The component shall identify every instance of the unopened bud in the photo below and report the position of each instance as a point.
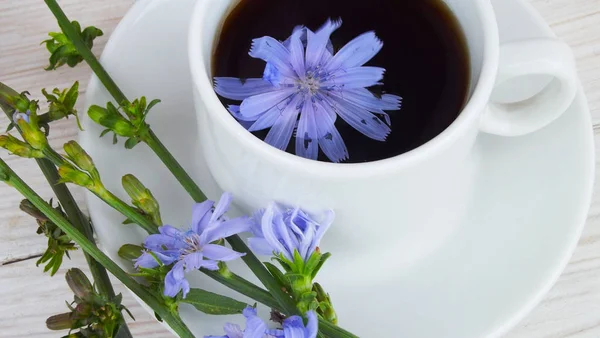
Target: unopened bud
(141, 197)
(62, 321)
(112, 120)
(30, 209)
(69, 174)
(79, 156)
(326, 309)
(130, 252)
(33, 135)
(18, 147)
(79, 283)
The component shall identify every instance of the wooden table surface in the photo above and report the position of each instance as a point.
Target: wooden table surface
(28, 297)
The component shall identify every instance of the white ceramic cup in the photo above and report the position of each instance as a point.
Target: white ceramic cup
(405, 206)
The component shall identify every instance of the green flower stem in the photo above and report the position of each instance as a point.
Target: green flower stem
(108, 197)
(287, 303)
(74, 214)
(244, 287)
(180, 174)
(126, 210)
(85, 52)
(11, 178)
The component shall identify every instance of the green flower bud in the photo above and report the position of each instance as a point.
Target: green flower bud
(30, 209)
(141, 197)
(70, 174)
(111, 119)
(79, 284)
(18, 147)
(79, 156)
(62, 321)
(33, 135)
(130, 252)
(325, 308)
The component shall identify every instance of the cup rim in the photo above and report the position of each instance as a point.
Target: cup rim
(470, 113)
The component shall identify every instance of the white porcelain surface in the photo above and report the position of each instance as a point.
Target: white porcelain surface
(418, 199)
(526, 203)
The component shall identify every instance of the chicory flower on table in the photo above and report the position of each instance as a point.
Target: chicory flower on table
(193, 249)
(305, 86)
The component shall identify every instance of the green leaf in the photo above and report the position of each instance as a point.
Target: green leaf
(152, 104)
(324, 258)
(212, 303)
(104, 132)
(131, 143)
(279, 277)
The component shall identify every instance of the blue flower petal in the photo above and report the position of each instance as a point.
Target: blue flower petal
(233, 331)
(260, 246)
(281, 132)
(282, 232)
(358, 77)
(356, 52)
(255, 327)
(159, 242)
(317, 43)
(259, 104)
(365, 99)
(312, 327)
(221, 207)
(268, 230)
(360, 119)
(240, 89)
(266, 120)
(297, 54)
(193, 261)
(225, 229)
(201, 216)
(210, 265)
(330, 140)
(146, 260)
(293, 327)
(220, 253)
(175, 281)
(245, 121)
(274, 52)
(170, 231)
(307, 142)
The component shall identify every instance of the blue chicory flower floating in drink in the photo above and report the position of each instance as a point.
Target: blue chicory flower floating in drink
(293, 327)
(305, 86)
(193, 249)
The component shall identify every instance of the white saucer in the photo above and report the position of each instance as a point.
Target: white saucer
(528, 209)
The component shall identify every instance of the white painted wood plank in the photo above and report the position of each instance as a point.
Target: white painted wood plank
(29, 297)
(23, 25)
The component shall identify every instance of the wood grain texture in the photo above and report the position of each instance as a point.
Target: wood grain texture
(571, 309)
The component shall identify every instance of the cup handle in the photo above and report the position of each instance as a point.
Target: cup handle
(532, 57)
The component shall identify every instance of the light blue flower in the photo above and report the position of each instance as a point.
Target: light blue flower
(293, 327)
(282, 231)
(18, 116)
(192, 249)
(305, 87)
